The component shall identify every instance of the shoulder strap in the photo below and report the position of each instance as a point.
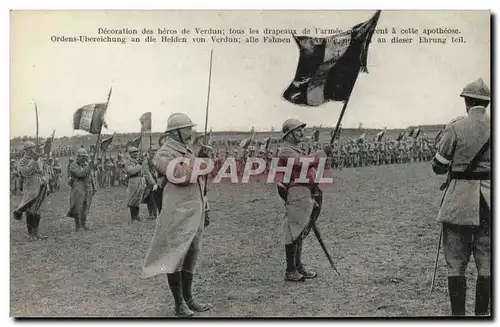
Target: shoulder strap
(475, 161)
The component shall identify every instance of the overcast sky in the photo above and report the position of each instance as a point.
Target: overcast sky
(407, 84)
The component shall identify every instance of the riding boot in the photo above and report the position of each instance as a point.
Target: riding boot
(292, 275)
(152, 210)
(83, 222)
(175, 284)
(483, 289)
(457, 288)
(36, 224)
(29, 224)
(77, 224)
(133, 218)
(298, 263)
(136, 214)
(187, 284)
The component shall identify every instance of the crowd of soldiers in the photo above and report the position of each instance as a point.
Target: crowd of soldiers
(111, 170)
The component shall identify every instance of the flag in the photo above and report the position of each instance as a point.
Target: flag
(134, 143)
(380, 135)
(316, 135)
(413, 132)
(361, 138)
(329, 66)
(438, 136)
(145, 122)
(400, 136)
(106, 142)
(265, 144)
(90, 118)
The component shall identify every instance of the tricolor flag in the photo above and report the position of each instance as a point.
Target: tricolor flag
(362, 138)
(328, 67)
(380, 135)
(90, 118)
(145, 122)
(106, 143)
(400, 136)
(413, 132)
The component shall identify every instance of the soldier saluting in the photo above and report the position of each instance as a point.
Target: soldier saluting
(464, 153)
(302, 200)
(35, 190)
(178, 236)
(82, 189)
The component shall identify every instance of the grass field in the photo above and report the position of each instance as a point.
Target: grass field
(378, 222)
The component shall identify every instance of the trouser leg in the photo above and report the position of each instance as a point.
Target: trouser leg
(175, 284)
(482, 257)
(457, 248)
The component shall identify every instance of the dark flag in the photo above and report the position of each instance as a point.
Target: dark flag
(400, 136)
(328, 67)
(134, 143)
(438, 136)
(106, 142)
(90, 118)
(316, 135)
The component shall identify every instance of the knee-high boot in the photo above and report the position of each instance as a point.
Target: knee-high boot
(36, 224)
(457, 286)
(300, 266)
(29, 224)
(483, 291)
(175, 284)
(291, 273)
(187, 285)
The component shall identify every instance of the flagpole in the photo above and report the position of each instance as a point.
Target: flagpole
(37, 138)
(344, 107)
(100, 129)
(208, 96)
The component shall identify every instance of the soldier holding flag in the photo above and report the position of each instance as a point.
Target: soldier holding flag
(82, 190)
(302, 200)
(464, 153)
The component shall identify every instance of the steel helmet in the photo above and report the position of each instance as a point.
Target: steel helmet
(133, 149)
(82, 153)
(291, 125)
(29, 145)
(476, 90)
(178, 121)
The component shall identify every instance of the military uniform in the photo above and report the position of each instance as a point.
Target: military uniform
(149, 173)
(136, 183)
(178, 236)
(82, 190)
(465, 210)
(302, 201)
(35, 191)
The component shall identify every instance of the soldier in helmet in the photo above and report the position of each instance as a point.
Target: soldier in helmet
(82, 189)
(302, 200)
(151, 186)
(463, 152)
(179, 230)
(136, 182)
(35, 190)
